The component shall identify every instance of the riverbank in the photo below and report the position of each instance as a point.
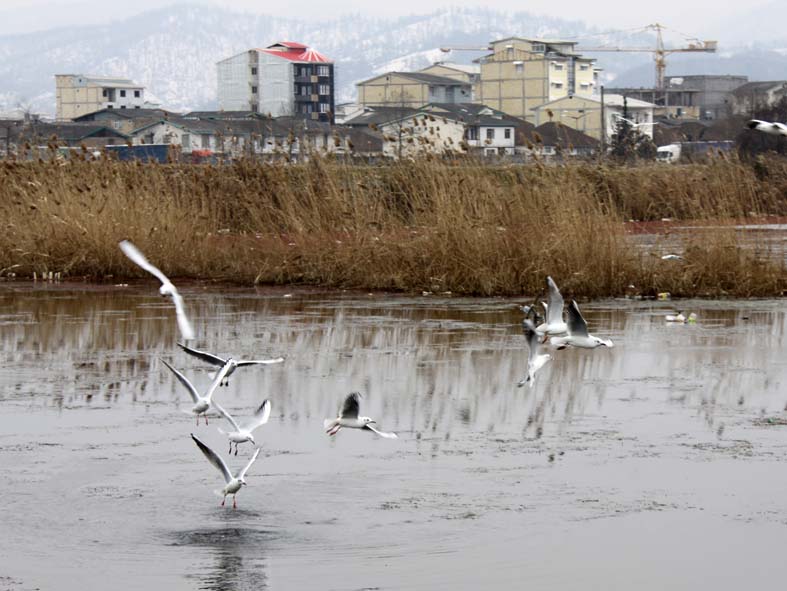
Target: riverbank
(428, 226)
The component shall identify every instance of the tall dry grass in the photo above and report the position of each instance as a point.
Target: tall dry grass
(441, 226)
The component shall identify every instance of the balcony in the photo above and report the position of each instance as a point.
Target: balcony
(303, 79)
(303, 98)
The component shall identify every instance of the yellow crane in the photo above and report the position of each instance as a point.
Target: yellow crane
(660, 52)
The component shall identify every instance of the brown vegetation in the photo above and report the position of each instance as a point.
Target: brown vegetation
(458, 226)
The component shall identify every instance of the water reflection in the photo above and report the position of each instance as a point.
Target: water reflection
(427, 366)
(235, 553)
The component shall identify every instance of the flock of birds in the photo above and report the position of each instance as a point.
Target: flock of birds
(539, 330)
(561, 334)
(349, 416)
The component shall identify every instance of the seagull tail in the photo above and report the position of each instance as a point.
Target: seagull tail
(329, 424)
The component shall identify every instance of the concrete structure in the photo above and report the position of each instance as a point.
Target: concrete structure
(470, 73)
(713, 92)
(584, 114)
(412, 90)
(555, 139)
(77, 95)
(284, 79)
(748, 98)
(671, 103)
(521, 74)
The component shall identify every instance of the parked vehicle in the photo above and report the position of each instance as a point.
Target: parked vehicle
(688, 151)
(142, 152)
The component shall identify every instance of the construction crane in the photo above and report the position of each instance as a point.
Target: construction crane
(659, 52)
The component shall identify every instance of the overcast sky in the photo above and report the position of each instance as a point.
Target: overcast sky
(695, 17)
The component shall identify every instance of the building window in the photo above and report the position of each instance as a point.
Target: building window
(557, 84)
(104, 92)
(584, 67)
(325, 89)
(324, 107)
(472, 133)
(136, 106)
(108, 106)
(519, 67)
(253, 71)
(323, 71)
(508, 133)
(539, 47)
(253, 90)
(122, 106)
(137, 93)
(490, 133)
(122, 94)
(558, 67)
(305, 91)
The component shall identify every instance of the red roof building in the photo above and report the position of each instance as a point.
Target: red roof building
(255, 81)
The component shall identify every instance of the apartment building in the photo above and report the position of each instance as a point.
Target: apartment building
(521, 74)
(78, 94)
(283, 79)
(470, 73)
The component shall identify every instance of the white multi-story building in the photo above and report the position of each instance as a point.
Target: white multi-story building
(284, 79)
(78, 94)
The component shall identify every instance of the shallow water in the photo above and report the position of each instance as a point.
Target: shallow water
(651, 465)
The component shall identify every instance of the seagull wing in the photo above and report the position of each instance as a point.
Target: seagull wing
(259, 361)
(386, 434)
(208, 357)
(242, 473)
(214, 459)
(555, 310)
(137, 257)
(184, 380)
(261, 416)
(577, 326)
(350, 406)
(220, 375)
(533, 338)
(186, 330)
(225, 414)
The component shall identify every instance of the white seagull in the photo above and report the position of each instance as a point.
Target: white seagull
(166, 289)
(243, 434)
(233, 483)
(535, 359)
(216, 360)
(554, 323)
(201, 403)
(578, 335)
(349, 418)
(767, 127)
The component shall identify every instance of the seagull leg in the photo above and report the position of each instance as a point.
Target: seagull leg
(236, 449)
(230, 451)
(234, 503)
(197, 417)
(206, 418)
(222, 501)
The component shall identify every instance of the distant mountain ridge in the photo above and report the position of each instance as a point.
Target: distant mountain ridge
(173, 50)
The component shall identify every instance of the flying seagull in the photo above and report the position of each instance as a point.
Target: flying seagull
(349, 418)
(233, 483)
(767, 127)
(554, 312)
(535, 360)
(201, 403)
(578, 335)
(216, 360)
(243, 434)
(166, 289)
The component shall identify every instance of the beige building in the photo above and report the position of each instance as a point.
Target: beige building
(470, 73)
(521, 74)
(585, 114)
(77, 95)
(412, 90)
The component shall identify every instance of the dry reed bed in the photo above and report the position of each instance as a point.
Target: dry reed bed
(461, 226)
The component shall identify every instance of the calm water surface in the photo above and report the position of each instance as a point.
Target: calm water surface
(652, 465)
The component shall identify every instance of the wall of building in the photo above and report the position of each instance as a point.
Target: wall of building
(393, 90)
(422, 135)
(234, 82)
(277, 85)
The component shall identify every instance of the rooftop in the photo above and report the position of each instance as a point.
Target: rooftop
(421, 77)
(554, 133)
(296, 52)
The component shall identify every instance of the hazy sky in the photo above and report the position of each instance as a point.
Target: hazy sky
(695, 17)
